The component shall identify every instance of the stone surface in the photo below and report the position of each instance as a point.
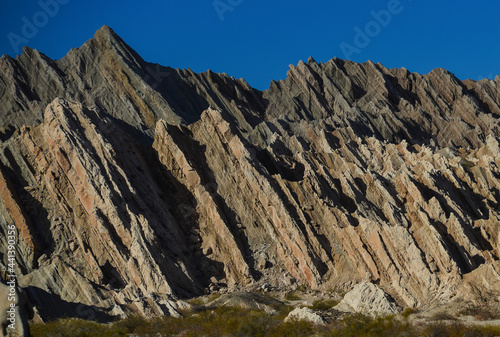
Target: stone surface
(304, 314)
(367, 298)
(132, 185)
(248, 300)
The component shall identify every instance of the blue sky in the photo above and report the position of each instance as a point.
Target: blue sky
(257, 40)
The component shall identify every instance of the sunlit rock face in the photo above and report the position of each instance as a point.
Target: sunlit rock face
(132, 185)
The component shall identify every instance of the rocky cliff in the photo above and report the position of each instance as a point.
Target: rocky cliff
(132, 184)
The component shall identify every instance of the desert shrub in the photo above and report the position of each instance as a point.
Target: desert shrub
(441, 330)
(354, 325)
(282, 312)
(77, 328)
(213, 297)
(481, 313)
(302, 288)
(197, 301)
(442, 316)
(293, 329)
(457, 329)
(292, 296)
(218, 322)
(363, 326)
(133, 323)
(481, 331)
(230, 321)
(323, 305)
(408, 312)
(337, 292)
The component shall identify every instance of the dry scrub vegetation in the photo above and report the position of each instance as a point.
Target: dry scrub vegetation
(227, 321)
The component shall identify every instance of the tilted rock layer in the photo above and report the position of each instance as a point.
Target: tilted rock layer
(133, 184)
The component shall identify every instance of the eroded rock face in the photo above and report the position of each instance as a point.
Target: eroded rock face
(369, 299)
(128, 193)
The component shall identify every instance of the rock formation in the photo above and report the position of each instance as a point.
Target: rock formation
(247, 300)
(304, 314)
(133, 185)
(369, 299)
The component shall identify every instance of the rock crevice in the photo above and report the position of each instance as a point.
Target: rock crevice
(132, 184)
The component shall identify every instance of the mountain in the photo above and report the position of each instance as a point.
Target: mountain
(133, 185)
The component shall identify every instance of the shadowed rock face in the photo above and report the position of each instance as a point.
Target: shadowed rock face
(132, 184)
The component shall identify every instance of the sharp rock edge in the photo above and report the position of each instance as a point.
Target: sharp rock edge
(132, 184)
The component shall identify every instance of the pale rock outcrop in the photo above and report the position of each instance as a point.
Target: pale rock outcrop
(248, 300)
(304, 314)
(367, 298)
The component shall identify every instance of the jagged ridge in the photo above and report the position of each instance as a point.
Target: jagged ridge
(127, 189)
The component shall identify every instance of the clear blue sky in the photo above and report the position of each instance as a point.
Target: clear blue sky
(257, 40)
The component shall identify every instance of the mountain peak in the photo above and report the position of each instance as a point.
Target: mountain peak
(339, 174)
(106, 36)
(107, 33)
